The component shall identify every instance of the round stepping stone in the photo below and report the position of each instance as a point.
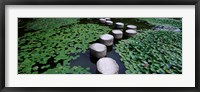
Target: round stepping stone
(108, 18)
(130, 32)
(98, 50)
(102, 20)
(107, 65)
(118, 34)
(109, 23)
(132, 27)
(107, 39)
(119, 25)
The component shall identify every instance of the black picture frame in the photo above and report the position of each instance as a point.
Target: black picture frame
(99, 2)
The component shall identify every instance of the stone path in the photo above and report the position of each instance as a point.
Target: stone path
(107, 65)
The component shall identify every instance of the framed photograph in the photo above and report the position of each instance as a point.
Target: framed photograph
(138, 45)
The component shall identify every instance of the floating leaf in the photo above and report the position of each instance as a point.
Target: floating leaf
(161, 51)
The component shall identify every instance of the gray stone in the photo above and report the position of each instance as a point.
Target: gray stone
(118, 34)
(119, 25)
(109, 23)
(98, 50)
(107, 65)
(130, 32)
(132, 27)
(102, 20)
(108, 18)
(106, 39)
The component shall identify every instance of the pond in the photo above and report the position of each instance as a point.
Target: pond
(85, 60)
(61, 46)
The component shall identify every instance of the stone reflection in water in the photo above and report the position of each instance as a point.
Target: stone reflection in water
(116, 41)
(109, 48)
(93, 59)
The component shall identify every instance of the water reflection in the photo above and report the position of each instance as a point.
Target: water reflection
(116, 41)
(109, 48)
(93, 59)
(86, 60)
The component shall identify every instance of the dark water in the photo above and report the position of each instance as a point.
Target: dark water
(86, 60)
(50, 62)
(21, 26)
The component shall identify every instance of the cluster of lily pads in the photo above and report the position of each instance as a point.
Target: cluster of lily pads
(51, 50)
(151, 52)
(49, 23)
(163, 21)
